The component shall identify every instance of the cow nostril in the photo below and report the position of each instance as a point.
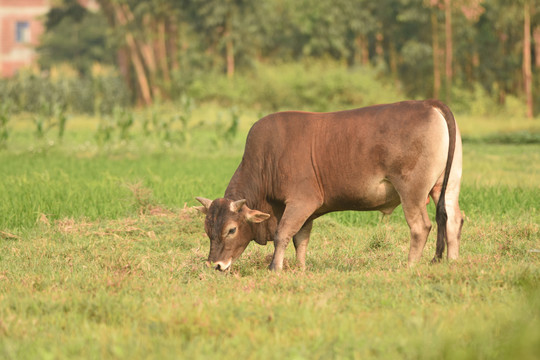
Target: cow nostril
(218, 267)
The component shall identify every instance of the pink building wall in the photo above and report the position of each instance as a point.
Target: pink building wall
(15, 55)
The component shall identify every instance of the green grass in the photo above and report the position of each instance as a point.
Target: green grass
(500, 181)
(137, 287)
(60, 185)
(100, 258)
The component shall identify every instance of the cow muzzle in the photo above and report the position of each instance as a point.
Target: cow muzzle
(220, 265)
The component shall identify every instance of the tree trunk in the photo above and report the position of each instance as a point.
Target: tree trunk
(172, 43)
(362, 44)
(142, 79)
(536, 36)
(449, 48)
(379, 49)
(162, 52)
(393, 62)
(145, 49)
(230, 58)
(435, 46)
(229, 48)
(502, 96)
(527, 72)
(122, 57)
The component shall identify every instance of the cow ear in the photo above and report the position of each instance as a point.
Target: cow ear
(256, 216)
(206, 204)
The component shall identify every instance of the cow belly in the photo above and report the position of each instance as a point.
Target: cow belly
(376, 195)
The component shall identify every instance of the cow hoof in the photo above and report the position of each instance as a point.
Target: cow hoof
(274, 268)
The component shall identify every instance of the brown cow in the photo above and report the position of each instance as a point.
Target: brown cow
(298, 166)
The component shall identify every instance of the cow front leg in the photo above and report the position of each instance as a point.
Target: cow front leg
(292, 221)
(301, 240)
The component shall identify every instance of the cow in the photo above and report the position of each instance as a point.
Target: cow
(298, 166)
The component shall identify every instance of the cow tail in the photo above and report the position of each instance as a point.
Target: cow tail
(440, 215)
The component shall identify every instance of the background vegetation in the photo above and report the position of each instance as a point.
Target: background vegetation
(104, 146)
(160, 50)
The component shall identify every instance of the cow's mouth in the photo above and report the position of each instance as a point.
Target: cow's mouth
(220, 265)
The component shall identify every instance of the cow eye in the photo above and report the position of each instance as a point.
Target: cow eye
(231, 231)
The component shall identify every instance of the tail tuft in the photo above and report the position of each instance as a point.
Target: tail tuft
(441, 217)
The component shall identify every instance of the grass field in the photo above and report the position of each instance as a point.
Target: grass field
(101, 257)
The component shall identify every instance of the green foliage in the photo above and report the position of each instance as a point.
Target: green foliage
(42, 121)
(176, 41)
(497, 33)
(226, 126)
(105, 130)
(59, 113)
(416, 65)
(121, 120)
(98, 94)
(5, 114)
(517, 137)
(233, 23)
(50, 116)
(87, 41)
(172, 128)
(232, 130)
(313, 86)
(124, 120)
(476, 101)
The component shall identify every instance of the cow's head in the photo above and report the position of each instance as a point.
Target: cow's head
(227, 224)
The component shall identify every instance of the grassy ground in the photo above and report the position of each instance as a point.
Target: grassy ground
(100, 258)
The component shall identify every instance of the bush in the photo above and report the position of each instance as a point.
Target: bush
(476, 101)
(99, 93)
(309, 85)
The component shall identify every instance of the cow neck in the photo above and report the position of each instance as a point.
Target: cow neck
(246, 185)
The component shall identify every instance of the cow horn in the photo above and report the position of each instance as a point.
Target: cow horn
(206, 202)
(237, 205)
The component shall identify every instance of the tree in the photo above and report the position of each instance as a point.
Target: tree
(404, 38)
(512, 22)
(436, 54)
(527, 73)
(448, 47)
(75, 35)
(230, 27)
(466, 10)
(161, 45)
(140, 27)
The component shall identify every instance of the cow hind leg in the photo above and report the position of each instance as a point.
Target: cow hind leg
(453, 226)
(454, 220)
(420, 226)
(435, 195)
(301, 240)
